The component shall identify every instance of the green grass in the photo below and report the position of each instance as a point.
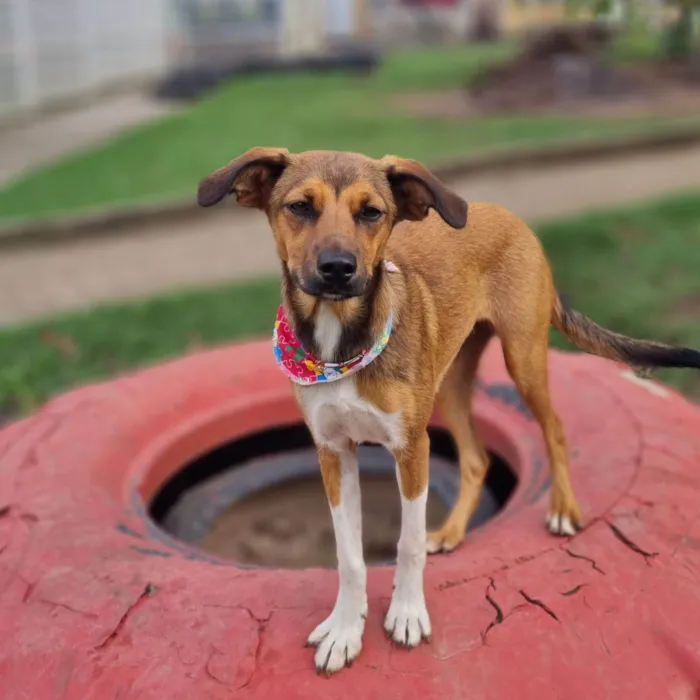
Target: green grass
(633, 270)
(41, 359)
(166, 159)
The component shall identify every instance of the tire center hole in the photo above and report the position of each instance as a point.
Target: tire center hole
(260, 501)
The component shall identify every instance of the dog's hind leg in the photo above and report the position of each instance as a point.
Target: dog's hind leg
(454, 402)
(525, 351)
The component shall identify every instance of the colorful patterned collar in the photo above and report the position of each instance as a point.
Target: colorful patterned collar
(303, 368)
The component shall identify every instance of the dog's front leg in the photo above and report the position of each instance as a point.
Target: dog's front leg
(339, 637)
(407, 621)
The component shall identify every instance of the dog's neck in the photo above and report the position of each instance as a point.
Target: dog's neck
(336, 331)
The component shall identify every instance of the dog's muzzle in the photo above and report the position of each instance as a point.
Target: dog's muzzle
(336, 275)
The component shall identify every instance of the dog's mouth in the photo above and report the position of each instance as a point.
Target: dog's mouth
(334, 296)
(316, 287)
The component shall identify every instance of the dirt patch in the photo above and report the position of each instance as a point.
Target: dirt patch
(567, 69)
(290, 525)
(668, 101)
(686, 309)
(8, 414)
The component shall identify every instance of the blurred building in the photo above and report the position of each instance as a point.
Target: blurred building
(53, 49)
(57, 49)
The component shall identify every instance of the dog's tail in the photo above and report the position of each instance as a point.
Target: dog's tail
(640, 354)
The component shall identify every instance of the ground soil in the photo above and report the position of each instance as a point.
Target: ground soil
(290, 526)
(569, 69)
(687, 308)
(667, 100)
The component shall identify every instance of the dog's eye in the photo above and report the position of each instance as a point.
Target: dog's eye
(301, 209)
(369, 214)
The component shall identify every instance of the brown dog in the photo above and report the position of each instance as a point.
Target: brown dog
(404, 320)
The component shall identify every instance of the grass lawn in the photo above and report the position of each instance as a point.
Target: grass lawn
(634, 270)
(166, 159)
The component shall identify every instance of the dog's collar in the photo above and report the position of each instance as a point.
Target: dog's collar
(303, 368)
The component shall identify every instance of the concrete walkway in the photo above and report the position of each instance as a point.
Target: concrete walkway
(47, 137)
(220, 246)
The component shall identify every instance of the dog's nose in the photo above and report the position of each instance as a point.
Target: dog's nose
(337, 267)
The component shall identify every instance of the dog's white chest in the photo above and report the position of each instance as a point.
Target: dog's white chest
(335, 413)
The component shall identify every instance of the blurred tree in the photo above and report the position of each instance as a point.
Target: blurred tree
(678, 39)
(488, 18)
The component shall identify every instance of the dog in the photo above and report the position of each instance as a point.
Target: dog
(392, 286)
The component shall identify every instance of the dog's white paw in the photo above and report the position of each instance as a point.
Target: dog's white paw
(408, 622)
(338, 640)
(439, 543)
(562, 525)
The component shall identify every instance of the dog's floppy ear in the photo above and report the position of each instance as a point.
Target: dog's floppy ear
(250, 177)
(416, 190)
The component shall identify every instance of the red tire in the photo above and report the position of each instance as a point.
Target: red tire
(97, 602)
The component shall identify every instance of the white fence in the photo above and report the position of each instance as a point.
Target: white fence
(51, 49)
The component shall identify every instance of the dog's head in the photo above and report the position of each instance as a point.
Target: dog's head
(331, 213)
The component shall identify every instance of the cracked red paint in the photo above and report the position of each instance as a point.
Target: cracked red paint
(148, 591)
(592, 562)
(629, 543)
(512, 608)
(538, 603)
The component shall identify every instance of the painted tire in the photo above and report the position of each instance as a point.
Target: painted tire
(97, 602)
